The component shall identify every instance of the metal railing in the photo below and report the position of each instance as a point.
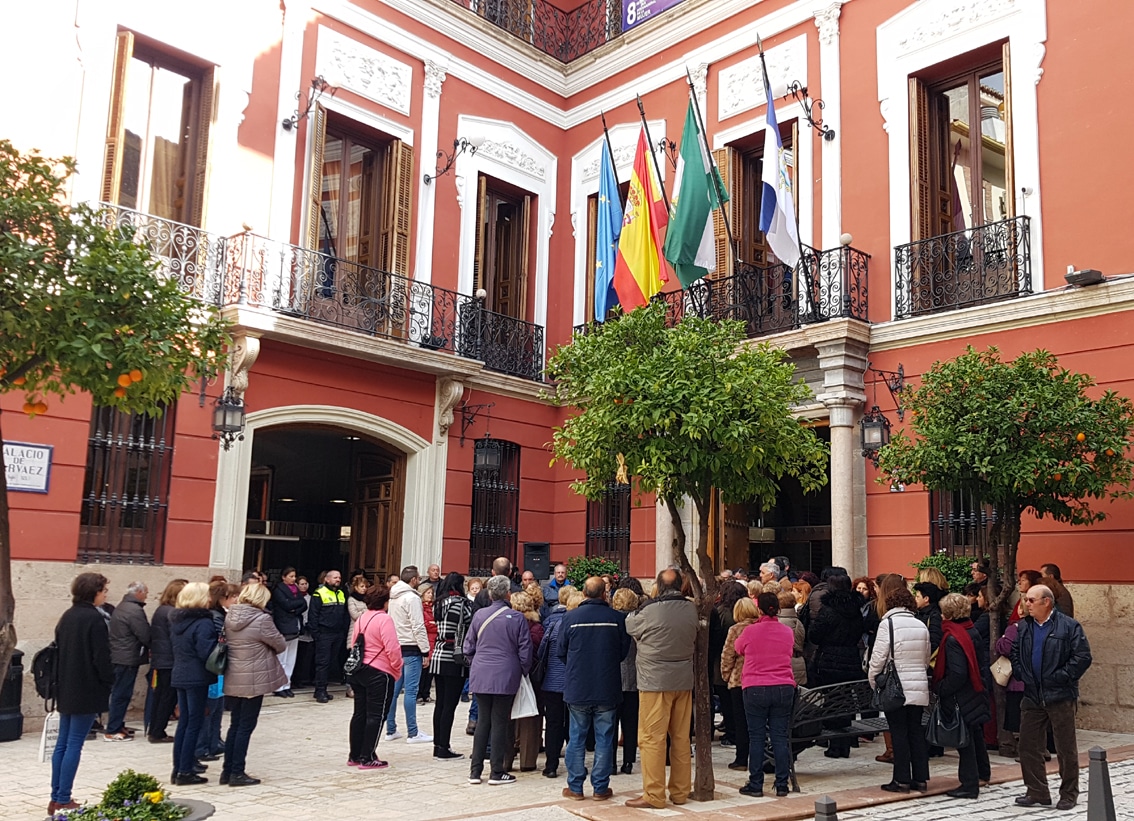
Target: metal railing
(564, 35)
(988, 263)
(248, 269)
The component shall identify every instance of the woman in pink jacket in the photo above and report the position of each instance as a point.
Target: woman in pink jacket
(769, 691)
(373, 682)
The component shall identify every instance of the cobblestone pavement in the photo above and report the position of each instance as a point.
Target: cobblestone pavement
(299, 750)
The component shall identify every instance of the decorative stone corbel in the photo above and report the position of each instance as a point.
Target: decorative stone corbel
(241, 357)
(449, 393)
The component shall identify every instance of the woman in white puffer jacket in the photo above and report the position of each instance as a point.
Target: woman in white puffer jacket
(911, 659)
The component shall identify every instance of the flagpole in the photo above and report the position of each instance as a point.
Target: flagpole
(716, 175)
(610, 152)
(653, 154)
(807, 275)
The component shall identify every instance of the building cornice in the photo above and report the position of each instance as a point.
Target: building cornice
(1059, 305)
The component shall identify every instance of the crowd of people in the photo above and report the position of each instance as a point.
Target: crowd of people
(568, 670)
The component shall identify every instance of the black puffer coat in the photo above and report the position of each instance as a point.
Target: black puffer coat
(955, 688)
(837, 630)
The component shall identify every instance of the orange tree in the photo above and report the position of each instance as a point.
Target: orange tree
(679, 411)
(1020, 436)
(84, 308)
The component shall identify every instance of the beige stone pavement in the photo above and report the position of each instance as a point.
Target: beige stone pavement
(299, 750)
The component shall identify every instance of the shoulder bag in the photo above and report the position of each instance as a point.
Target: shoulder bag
(218, 658)
(888, 692)
(357, 650)
(1002, 670)
(459, 648)
(946, 728)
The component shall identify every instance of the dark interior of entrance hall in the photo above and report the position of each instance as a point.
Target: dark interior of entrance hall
(322, 499)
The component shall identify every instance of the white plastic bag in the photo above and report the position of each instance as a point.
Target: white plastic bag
(525, 705)
(48, 737)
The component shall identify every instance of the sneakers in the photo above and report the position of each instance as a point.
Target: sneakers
(394, 736)
(446, 755)
(499, 780)
(117, 737)
(352, 762)
(374, 764)
(474, 779)
(420, 738)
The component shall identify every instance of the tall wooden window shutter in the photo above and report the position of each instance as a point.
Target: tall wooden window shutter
(728, 161)
(521, 307)
(397, 209)
(206, 116)
(921, 172)
(1009, 162)
(318, 125)
(480, 240)
(115, 120)
(592, 249)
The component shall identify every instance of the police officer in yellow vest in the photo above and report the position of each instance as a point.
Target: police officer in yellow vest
(327, 622)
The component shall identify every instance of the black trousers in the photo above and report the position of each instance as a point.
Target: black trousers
(373, 694)
(494, 725)
(911, 750)
(728, 717)
(445, 710)
(736, 696)
(628, 721)
(555, 727)
(165, 699)
(326, 646)
(974, 766)
(244, 713)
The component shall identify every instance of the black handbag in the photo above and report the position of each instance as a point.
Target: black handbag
(888, 692)
(947, 728)
(354, 657)
(218, 657)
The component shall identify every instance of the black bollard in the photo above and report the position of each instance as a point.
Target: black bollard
(826, 809)
(1100, 797)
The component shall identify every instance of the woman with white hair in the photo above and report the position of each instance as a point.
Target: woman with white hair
(500, 646)
(253, 671)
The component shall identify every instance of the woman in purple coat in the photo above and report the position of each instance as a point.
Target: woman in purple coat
(500, 646)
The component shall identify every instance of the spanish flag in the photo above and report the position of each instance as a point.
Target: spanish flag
(640, 270)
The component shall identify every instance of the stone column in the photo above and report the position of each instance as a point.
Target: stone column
(830, 70)
(426, 161)
(843, 361)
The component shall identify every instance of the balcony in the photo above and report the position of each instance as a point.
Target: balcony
(769, 299)
(254, 271)
(564, 35)
(989, 263)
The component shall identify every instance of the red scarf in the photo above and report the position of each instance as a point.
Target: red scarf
(959, 631)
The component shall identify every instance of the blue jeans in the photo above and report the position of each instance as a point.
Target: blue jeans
(244, 712)
(604, 720)
(120, 694)
(407, 684)
(768, 710)
(209, 740)
(191, 703)
(474, 708)
(73, 729)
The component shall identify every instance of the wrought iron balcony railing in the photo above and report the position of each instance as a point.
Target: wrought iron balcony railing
(988, 263)
(247, 269)
(564, 35)
(769, 299)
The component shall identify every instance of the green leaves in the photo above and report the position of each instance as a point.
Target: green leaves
(690, 407)
(83, 306)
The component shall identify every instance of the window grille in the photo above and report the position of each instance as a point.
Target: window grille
(495, 504)
(959, 525)
(126, 488)
(608, 525)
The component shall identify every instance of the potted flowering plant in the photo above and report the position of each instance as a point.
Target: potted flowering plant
(129, 797)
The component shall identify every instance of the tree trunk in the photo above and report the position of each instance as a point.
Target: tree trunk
(7, 597)
(1006, 538)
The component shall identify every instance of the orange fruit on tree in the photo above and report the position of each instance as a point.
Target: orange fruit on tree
(135, 375)
(124, 380)
(1057, 477)
(29, 408)
(1080, 437)
(120, 392)
(41, 407)
(19, 380)
(1109, 452)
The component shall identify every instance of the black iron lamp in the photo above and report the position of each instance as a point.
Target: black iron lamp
(228, 418)
(875, 429)
(810, 108)
(319, 87)
(460, 146)
(487, 456)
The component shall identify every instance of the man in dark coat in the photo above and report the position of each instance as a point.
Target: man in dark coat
(129, 640)
(327, 622)
(1049, 656)
(836, 630)
(592, 642)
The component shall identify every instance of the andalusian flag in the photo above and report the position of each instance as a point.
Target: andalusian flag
(641, 271)
(690, 244)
